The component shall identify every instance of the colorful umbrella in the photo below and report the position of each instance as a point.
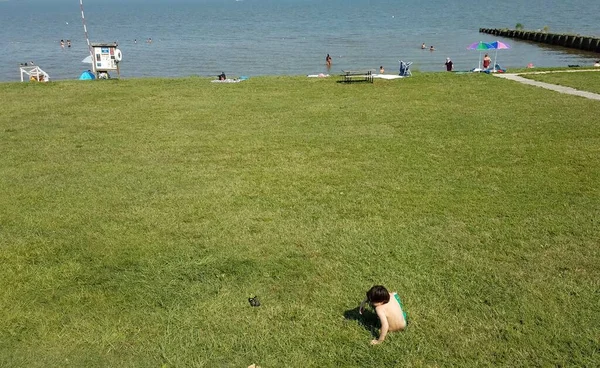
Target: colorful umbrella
(480, 46)
(497, 45)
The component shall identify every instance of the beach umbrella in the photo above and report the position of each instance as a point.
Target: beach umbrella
(497, 45)
(480, 46)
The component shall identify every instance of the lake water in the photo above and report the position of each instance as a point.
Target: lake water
(281, 37)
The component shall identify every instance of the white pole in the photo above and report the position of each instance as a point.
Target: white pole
(87, 38)
(495, 59)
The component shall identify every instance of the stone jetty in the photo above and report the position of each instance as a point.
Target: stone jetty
(585, 43)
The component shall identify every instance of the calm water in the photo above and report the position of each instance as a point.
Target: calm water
(275, 37)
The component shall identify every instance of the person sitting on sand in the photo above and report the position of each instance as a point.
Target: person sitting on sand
(597, 64)
(391, 315)
(222, 76)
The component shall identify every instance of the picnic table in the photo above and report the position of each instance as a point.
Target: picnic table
(357, 76)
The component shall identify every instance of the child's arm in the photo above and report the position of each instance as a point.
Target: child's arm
(384, 326)
(362, 306)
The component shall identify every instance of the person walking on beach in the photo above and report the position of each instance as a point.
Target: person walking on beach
(449, 65)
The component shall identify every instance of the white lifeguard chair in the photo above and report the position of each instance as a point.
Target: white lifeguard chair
(105, 58)
(34, 74)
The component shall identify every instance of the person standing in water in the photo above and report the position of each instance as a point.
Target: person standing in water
(449, 65)
(328, 61)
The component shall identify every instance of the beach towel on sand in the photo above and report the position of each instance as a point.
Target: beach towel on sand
(227, 80)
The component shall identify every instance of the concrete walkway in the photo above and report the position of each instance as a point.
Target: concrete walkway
(553, 87)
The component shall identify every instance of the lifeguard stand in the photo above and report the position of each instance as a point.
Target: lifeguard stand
(105, 59)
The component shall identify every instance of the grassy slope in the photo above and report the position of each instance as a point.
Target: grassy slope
(585, 81)
(137, 216)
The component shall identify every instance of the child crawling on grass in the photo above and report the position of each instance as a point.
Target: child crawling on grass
(390, 313)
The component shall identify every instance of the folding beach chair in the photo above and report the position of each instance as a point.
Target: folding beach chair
(405, 68)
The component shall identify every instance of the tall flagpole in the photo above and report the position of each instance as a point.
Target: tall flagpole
(85, 30)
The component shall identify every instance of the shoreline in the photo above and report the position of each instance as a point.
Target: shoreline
(518, 71)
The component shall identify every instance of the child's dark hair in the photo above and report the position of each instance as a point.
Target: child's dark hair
(378, 294)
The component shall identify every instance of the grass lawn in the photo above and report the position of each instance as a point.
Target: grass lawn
(137, 217)
(584, 81)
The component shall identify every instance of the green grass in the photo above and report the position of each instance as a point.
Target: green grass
(137, 217)
(585, 81)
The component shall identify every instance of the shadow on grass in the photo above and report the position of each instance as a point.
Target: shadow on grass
(368, 320)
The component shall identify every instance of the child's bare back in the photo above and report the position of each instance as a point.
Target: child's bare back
(393, 313)
(389, 310)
